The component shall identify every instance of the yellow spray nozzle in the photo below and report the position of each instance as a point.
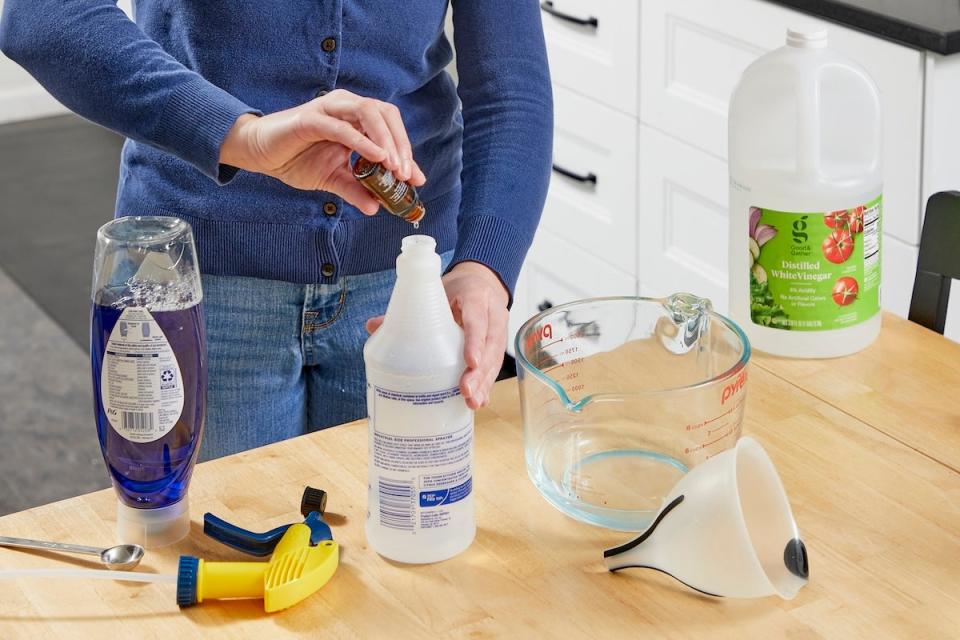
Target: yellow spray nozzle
(295, 571)
(304, 559)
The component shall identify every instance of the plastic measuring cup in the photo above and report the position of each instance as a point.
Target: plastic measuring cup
(621, 396)
(726, 529)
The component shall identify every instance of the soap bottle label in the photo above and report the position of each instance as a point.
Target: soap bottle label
(420, 479)
(815, 271)
(140, 383)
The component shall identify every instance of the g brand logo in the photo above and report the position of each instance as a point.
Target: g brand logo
(800, 230)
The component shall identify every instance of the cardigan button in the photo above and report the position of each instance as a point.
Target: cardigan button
(329, 44)
(327, 270)
(330, 208)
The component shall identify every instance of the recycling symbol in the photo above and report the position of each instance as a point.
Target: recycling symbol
(167, 375)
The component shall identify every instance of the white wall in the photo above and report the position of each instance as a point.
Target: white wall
(22, 98)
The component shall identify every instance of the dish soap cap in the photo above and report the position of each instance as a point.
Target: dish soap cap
(152, 528)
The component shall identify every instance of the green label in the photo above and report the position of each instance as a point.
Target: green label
(815, 271)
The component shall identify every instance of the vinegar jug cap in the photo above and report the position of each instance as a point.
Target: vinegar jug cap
(807, 37)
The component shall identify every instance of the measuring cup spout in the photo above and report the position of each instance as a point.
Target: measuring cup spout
(725, 529)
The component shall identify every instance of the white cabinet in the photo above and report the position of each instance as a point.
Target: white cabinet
(592, 47)
(683, 218)
(592, 202)
(558, 271)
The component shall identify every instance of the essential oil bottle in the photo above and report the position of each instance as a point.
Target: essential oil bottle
(398, 198)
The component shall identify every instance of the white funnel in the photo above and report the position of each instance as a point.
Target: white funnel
(725, 529)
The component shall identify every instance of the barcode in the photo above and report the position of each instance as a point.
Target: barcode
(136, 421)
(396, 504)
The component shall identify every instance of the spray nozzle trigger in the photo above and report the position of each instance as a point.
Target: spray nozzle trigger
(312, 505)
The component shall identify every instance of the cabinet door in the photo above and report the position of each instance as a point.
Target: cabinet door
(557, 272)
(592, 201)
(682, 229)
(597, 59)
(693, 53)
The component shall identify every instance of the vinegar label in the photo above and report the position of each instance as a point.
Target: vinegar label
(815, 271)
(140, 383)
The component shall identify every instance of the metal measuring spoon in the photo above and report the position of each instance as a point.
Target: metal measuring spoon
(121, 557)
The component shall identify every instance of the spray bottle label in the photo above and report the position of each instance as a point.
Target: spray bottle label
(140, 383)
(815, 271)
(420, 479)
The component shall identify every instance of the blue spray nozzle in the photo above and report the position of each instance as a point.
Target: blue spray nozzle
(254, 544)
(263, 544)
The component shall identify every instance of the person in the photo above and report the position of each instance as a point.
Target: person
(241, 119)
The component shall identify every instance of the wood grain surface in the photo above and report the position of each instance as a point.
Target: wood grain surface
(907, 385)
(878, 507)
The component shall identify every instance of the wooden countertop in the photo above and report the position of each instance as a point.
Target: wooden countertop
(867, 448)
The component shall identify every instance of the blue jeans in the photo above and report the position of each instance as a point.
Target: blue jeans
(286, 359)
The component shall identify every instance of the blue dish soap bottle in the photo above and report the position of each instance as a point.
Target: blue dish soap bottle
(148, 355)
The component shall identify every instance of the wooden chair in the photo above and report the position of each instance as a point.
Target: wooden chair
(939, 261)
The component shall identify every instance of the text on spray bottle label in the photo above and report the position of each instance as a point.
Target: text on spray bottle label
(420, 477)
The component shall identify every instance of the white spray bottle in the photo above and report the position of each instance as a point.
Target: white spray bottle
(420, 492)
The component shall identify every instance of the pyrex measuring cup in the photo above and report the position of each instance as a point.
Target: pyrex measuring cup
(621, 396)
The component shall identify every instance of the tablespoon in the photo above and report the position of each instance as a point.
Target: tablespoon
(121, 557)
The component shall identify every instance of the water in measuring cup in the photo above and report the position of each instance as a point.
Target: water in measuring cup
(590, 469)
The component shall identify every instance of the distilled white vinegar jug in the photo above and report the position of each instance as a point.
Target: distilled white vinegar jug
(420, 491)
(805, 201)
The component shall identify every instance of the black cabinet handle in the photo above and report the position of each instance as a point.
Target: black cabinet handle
(543, 306)
(579, 177)
(547, 5)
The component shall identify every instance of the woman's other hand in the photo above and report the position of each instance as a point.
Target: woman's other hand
(479, 303)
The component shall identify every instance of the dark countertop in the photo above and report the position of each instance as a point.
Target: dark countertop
(926, 24)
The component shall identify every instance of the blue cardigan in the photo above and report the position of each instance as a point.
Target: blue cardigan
(175, 81)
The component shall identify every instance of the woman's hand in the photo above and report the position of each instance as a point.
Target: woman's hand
(308, 147)
(479, 303)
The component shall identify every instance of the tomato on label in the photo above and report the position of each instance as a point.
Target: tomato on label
(855, 220)
(838, 246)
(836, 219)
(845, 290)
